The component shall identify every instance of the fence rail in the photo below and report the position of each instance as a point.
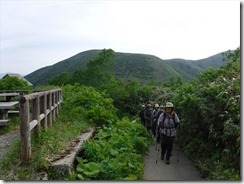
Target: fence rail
(35, 111)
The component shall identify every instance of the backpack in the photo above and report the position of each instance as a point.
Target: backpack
(149, 113)
(173, 117)
(141, 113)
(156, 116)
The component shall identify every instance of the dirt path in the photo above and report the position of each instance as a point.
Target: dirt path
(183, 170)
(6, 141)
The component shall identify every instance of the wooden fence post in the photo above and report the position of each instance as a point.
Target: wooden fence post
(24, 115)
(45, 111)
(50, 117)
(57, 97)
(53, 104)
(36, 114)
(60, 98)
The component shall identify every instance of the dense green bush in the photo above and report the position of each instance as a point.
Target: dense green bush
(209, 107)
(115, 153)
(128, 97)
(13, 83)
(85, 102)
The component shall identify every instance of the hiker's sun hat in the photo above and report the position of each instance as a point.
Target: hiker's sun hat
(156, 105)
(169, 104)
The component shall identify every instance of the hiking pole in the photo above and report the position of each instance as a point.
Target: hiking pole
(156, 142)
(178, 150)
(178, 147)
(157, 156)
(156, 139)
(158, 133)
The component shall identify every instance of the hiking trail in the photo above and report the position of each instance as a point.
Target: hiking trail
(6, 141)
(183, 170)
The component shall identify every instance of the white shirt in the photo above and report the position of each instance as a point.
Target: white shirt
(169, 124)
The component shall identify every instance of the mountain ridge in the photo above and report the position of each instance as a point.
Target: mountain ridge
(144, 67)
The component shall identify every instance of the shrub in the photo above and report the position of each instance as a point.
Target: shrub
(114, 153)
(86, 102)
(209, 107)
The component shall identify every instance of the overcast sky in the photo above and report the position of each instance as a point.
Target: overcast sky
(38, 33)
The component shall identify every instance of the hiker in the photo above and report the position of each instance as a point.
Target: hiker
(157, 133)
(168, 122)
(148, 116)
(141, 115)
(154, 119)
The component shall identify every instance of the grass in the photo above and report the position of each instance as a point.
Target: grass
(48, 143)
(12, 125)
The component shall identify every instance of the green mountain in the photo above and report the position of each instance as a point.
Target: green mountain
(143, 67)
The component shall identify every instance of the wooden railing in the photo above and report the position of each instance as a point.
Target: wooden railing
(21, 92)
(35, 111)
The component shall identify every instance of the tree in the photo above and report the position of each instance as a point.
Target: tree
(209, 107)
(96, 74)
(97, 71)
(233, 56)
(13, 83)
(60, 79)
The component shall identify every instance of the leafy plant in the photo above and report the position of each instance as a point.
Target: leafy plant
(115, 153)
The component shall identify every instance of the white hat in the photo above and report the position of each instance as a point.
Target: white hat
(169, 104)
(156, 105)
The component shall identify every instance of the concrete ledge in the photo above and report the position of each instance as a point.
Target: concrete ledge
(63, 163)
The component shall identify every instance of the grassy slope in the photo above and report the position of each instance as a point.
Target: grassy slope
(143, 67)
(128, 65)
(41, 76)
(190, 68)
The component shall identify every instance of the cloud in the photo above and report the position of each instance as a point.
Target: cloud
(45, 32)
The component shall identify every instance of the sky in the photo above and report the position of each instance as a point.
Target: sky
(39, 33)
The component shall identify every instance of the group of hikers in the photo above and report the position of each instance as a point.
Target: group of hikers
(162, 122)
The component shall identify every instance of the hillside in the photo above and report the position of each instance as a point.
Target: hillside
(144, 67)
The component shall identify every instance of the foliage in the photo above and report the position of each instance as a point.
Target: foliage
(209, 107)
(174, 83)
(128, 97)
(13, 83)
(114, 153)
(86, 102)
(59, 79)
(233, 56)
